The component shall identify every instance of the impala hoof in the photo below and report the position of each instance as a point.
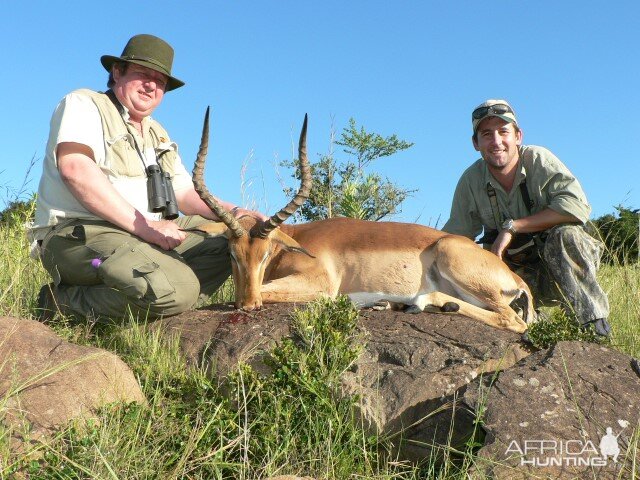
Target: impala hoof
(450, 307)
(413, 309)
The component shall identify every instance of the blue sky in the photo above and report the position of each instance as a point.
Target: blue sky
(571, 70)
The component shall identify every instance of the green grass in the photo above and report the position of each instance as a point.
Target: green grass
(289, 422)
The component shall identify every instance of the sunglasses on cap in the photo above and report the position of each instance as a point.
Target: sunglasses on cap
(498, 109)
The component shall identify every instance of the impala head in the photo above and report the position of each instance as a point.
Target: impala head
(252, 243)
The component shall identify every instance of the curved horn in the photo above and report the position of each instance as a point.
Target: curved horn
(201, 188)
(303, 192)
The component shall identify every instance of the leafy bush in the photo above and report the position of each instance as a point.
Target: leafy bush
(344, 188)
(559, 327)
(620, 233)
(18, 212)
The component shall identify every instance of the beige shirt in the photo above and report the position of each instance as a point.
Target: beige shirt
(77, 119)
(549, 182)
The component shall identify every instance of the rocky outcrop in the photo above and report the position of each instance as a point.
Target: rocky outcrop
(413, 369)
(560, 413)
(217, 338)
(45, 381)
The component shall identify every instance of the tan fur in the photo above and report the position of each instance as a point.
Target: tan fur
(403, 263)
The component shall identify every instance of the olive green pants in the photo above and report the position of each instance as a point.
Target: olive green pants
(101, 270)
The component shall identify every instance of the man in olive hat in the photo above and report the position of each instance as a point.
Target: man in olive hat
(532, 211)
(111, 189)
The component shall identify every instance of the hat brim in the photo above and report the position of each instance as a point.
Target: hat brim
(502, 117)
(172, 82)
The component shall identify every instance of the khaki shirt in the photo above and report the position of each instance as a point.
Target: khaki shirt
(91, 119)
(549, 182)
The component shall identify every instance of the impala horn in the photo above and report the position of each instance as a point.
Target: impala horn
(303, 193)
(198, 183)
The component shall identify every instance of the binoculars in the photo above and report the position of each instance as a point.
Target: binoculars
(160, 193)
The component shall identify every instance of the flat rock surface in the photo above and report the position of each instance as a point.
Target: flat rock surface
(547, 417)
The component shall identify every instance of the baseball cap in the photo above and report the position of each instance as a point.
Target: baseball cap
(493, 108)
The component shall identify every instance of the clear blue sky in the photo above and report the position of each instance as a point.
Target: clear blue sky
(571, 69)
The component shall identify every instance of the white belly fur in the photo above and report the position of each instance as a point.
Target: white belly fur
(368, 299)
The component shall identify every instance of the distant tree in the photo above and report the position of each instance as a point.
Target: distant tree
(620, 234)
(18, 212)
(344, 188)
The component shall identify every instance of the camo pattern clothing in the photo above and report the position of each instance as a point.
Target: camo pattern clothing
(564, 273)
(562, 269)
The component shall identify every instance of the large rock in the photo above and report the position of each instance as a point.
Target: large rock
(219, 337)
(567, 397)
(45, 381)
(413, 369)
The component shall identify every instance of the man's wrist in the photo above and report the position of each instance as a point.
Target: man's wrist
(509, 226)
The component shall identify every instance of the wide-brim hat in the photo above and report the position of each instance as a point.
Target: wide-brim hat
(149, 51)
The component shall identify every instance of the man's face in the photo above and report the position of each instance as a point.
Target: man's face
(497, 141)
(140, 89)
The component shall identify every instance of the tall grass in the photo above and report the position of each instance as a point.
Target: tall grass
(291, 421)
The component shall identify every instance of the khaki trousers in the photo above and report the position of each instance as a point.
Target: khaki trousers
(131, 273)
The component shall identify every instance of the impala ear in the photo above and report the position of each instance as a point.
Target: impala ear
(288, 243)
(212, 229)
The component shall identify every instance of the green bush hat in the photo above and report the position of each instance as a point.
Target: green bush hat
(493, 108)
(148, 51)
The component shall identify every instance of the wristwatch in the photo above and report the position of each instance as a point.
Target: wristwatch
(508, 225)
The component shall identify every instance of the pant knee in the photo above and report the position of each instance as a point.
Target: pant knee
(572, 242)
(157, 281)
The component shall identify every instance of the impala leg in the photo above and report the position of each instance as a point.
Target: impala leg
(504, 318)
(291, 289)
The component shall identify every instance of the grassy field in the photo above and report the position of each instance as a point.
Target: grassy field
(288, 423)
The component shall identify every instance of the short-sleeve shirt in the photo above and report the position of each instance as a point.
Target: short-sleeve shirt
(77, 119)
(549, 182)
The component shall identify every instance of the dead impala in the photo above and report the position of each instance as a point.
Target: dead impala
(371, 262)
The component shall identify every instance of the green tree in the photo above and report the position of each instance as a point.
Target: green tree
(620, 234)
(18, 212)
(344, 188)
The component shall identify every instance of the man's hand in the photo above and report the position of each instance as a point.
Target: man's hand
(164, 233)
(501, 242)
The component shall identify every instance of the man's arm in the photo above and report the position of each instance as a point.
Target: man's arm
(543, 220)
(93, 190)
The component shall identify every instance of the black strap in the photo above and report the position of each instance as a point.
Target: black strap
(493, 200)
(524, 191)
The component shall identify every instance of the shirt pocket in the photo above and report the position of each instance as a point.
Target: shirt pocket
(123, 159)
(486, 217)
